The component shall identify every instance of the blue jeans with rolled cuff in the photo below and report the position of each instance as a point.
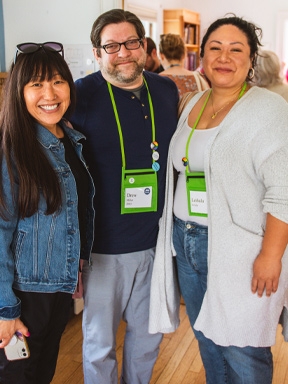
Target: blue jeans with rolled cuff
(232, 365)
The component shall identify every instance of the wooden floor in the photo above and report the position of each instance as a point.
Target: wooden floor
(179, 361)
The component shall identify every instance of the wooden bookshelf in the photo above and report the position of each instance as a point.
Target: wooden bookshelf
(3, 76)
(185, 23)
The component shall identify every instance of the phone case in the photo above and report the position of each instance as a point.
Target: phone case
(17, 348)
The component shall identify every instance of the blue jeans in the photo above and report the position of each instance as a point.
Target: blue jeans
(231, 364)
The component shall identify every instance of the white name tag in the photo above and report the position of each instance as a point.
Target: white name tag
(138, 197)
(198, 202)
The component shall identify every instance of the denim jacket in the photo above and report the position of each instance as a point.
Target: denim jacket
(41, 253)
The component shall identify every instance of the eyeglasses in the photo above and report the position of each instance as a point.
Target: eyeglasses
(34, 47)
(115, 47)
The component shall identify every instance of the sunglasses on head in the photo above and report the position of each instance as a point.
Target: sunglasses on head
(34, 47)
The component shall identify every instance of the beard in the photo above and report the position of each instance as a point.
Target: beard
(124, 77)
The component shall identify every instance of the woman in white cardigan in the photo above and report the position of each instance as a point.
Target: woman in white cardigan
(228, 217)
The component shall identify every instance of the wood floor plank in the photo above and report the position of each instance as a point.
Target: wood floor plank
(194, 377)
(176, 358)
(183, 363)
(179, 361)
(280, 359)
(171, 342)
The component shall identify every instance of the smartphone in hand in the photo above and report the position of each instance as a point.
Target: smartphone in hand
(17, 348)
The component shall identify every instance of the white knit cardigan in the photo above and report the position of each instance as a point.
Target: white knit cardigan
(246, 171)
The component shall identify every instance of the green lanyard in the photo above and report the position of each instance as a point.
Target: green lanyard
(119, 124)
(199, 117)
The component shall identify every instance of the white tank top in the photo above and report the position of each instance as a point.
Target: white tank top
(196, 151)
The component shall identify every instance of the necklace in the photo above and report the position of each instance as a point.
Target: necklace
(173, 65)
(185, 159)
(219, 110)
(243, 88)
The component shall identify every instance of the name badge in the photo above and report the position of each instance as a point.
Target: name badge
(196, 194)
(198, 202)
(138, 197)
(139, 191)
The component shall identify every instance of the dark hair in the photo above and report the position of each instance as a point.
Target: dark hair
(252, 32)
(114, 16)
(150, 45)
(19, 145)
(172, 46)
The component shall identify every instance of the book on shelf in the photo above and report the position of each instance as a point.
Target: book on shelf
(191, 61)
(189, 34)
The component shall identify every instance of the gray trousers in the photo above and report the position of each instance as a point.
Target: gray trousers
(118, 287)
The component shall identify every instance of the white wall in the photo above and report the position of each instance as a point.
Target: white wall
(70, 21)
(153, 5)
(66, 21)
(264, 13)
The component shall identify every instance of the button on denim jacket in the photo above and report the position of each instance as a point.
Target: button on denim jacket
(41, 253)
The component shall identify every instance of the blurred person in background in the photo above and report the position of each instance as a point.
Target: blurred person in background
(152, 60)
(268, 73)
(172, 56)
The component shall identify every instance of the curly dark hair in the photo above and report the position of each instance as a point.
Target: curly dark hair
(252, 32)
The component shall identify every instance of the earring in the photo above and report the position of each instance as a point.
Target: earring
(251, 73)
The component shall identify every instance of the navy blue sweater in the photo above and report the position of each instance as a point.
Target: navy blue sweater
(94, 117)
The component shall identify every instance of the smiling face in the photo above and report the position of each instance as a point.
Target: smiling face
(226, 59)
(47, 101)
(123, 68)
